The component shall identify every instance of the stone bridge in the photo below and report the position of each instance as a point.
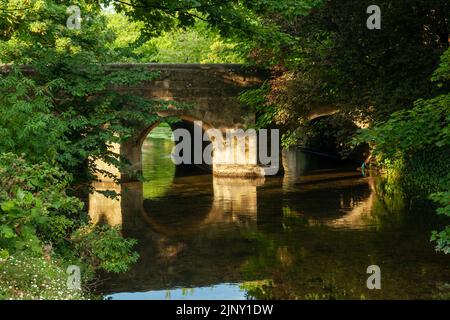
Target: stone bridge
(212, 90)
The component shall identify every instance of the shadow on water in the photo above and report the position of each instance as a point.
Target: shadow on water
(310, 234)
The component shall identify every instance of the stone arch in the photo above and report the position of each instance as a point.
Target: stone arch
(325, 111)
(132, 148)
(356, 155)
(322, 111)
(142, 133)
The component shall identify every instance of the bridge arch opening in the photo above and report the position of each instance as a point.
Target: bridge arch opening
(167, 186)
(158, 171)
(330, 134)
(156, 146)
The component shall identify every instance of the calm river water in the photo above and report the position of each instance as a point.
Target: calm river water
(310, 234)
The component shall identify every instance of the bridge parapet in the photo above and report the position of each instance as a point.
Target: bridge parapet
(213, 89)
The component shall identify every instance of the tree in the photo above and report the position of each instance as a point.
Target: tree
(68, 83)
(59, 111)
(333, 59)
(420, 161)
(195, 44)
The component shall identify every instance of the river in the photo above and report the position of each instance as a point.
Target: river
(310, 234)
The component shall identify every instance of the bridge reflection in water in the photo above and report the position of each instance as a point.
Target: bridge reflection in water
(310, 234)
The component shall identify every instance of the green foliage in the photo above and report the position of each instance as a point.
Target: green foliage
(26, 112)
(104, 247)
(157, 17)
(196, 44)
(34, 206)
(41, 225)
(442, 239)
(128, 45)
(398, 135)
(254, 25)
(442, 74)
(256, 100)
(414, 145)
(35, 210)
(328, 57)
(68, 88)
(442, 198)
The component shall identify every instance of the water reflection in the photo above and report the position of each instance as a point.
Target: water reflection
(227, 291)
(104, 209)
(308, 235)
(159, 170)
